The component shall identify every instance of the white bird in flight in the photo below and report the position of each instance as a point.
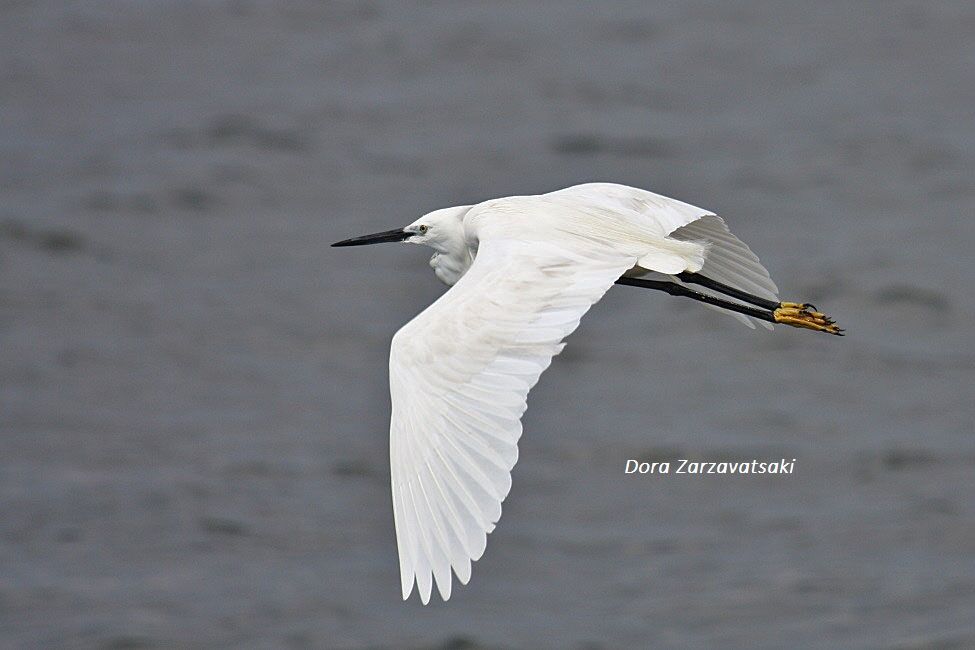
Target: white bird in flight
(523, 271)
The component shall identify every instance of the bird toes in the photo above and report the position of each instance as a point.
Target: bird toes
(804, 315)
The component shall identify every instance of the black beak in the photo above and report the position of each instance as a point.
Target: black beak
(390, 235)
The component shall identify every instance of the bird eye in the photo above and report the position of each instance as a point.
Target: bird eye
(423, 229)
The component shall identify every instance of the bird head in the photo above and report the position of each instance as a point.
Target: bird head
(442, 230)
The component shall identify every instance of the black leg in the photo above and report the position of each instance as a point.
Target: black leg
(694, 278)
(786, 313)
(678, 290)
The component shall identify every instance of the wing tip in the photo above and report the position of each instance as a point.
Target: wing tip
(444, 587)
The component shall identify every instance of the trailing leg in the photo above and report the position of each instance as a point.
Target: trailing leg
(787, 313)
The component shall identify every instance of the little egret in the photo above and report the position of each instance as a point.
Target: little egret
(524, 270)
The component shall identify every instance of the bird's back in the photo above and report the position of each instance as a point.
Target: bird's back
(595, 215)
(656, 213)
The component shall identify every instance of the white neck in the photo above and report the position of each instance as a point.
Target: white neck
(452, 257)
(449, 266)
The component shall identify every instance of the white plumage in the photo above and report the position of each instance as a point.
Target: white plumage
(524, 270)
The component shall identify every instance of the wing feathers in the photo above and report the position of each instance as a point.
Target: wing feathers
(728, 255)
(729, 261)
(460, 373)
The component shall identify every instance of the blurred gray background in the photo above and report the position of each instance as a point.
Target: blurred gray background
(194, 401)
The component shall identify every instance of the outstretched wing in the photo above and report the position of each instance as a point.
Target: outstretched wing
(728, 260)
(460, 373)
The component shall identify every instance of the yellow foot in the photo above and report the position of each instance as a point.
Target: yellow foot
(799, 314)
